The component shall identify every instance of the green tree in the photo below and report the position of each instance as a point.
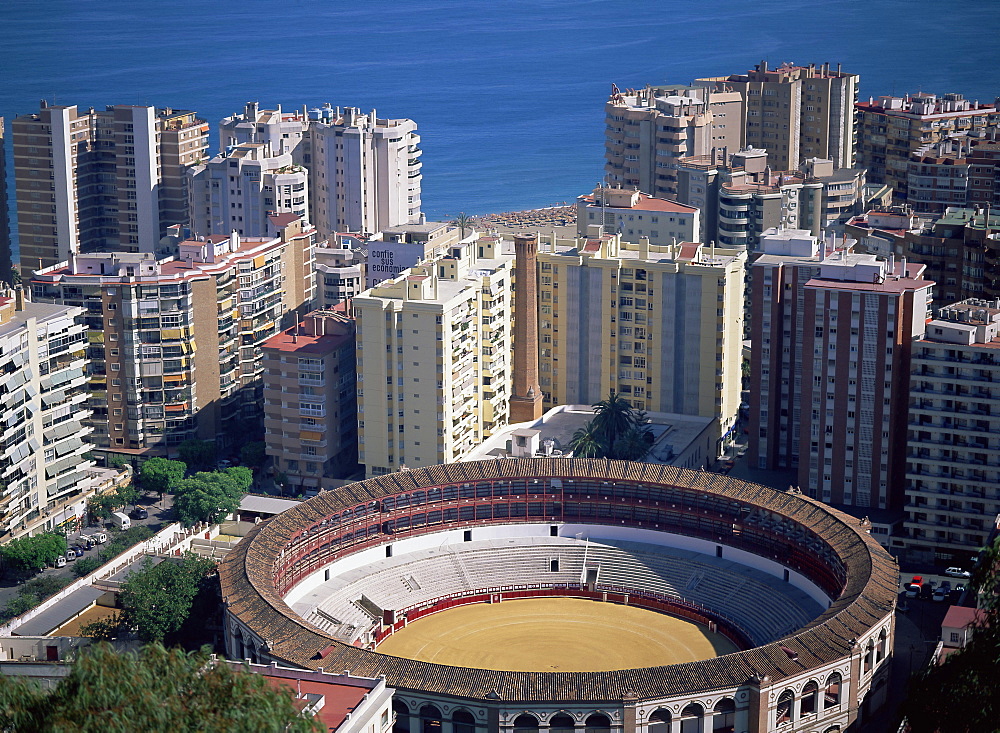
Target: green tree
(150, 690)
(463, 221)
(632, 445)
(962, 694)
(588, 442)
(100, 507)
(613, 417)
(197, 454)
(209, 497)
(161, 475)
(26, 555)
(127, 494)
(103, 629)
(85, 566)
(156, 599)
(121, 541)
(253, 454)
(116, 460)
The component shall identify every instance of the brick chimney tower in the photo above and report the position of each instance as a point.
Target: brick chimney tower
(526, 400)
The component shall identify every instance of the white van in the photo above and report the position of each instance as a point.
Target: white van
(121, 520)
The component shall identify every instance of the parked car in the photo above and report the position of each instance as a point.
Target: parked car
(957, 573)
(120, 520)
(70, 556)
(99, 537)
(927, 589)
(76, 550)
(139, 512)
(941, 594)
(913, 591)
(917, 580)
(60, 561)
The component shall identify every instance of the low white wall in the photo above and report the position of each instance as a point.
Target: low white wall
(593, 531)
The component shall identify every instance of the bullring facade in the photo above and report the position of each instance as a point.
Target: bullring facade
(820, 676)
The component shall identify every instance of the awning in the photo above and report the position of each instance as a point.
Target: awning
(60, 466)
(54, 397)
(68, 446)
(65, 376)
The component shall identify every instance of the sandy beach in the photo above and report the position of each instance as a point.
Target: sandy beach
(558, 219)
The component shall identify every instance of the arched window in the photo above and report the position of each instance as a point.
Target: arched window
(869, 655)
(691, 717)
(831, 698)
(598, 723)
(430, 719)
(463, 722)
(659, 721)
(402, 712)
(810, 695)
(561, 723)
(784, 712)
(525, 723)
(724, 716)
(883, 646)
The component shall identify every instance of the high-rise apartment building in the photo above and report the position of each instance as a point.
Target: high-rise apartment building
(795, 112)
(310, 403)
(364, 172)
(647, 130)
(174, 342)
(984, 174)
(101, 181)
(635, 215)
(831, 340)
(953, 441)
(434, 357)
(890, 129)
(661, 325)
(45, 436)
(241, 190)
(341, 262)
(6, 251)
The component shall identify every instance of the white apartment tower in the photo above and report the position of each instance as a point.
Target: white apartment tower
(364, 172)
(43, 392)
(433, 357)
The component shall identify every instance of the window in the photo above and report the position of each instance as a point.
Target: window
(784, 712)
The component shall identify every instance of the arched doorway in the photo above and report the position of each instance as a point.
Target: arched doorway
(430, 719)
(691, 717)
(831, 696)
(525, 723)
(462, 721)
(561, 723)
(598, 723)
(402, 712)
(659, 721)
(786, 701)
(810, 696)
(724, 716)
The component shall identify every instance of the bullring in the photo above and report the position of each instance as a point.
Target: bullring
(820, 676)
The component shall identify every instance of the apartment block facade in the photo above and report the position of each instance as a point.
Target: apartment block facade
(364, 171)
(341, 263)
(635, 215)
(310, 403)
(434, 357)
(6, 253)
(796, 112)
(241, 190)
(174, 343)
(101, 181)
(953, 437)
(661, 325)
(831, 340)
(647, 130)
(45, 432)
(891, 129)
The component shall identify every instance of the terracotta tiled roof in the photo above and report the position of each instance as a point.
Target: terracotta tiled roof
(867, 598)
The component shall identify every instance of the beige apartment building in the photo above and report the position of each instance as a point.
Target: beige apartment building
(661, 325)
(953, 448)
(634, 215)
(43, 468)
(101, 181)
(434, 357)
(174, 342)
(795, 112)
(647, 130)
(310, 403)
(891, 129)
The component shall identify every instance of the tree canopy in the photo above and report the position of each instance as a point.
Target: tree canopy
(197, 454)
(253, 454)
(962, 694)
(26, 555)
(616, 431)
(156, 600)
(210, 496)
(161, 475)
(152, 690)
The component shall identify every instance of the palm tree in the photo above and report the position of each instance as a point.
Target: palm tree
(586, 441)
(613, 417)
(463, 221)
(632, 445)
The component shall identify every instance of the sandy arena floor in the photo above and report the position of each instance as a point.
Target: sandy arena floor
(547, 634)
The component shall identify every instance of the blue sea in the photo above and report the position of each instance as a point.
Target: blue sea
(508, 95)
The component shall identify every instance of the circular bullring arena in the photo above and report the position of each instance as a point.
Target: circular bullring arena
(518, 595)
